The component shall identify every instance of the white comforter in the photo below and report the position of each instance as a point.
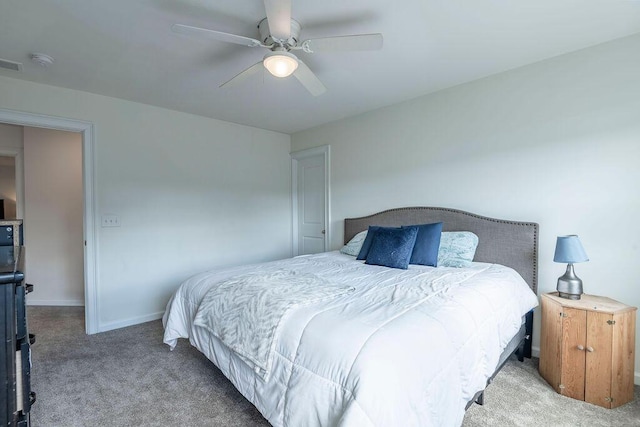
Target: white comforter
(406, 348)
(246, 311)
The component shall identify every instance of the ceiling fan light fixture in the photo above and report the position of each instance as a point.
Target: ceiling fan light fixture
(280, 63)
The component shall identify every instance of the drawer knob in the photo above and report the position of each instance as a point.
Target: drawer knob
(580, 347)
(590, 349)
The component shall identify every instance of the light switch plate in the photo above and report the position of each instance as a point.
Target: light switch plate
(110, 221)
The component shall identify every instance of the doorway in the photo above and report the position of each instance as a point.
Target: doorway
(85, 129)
(310, 200)
(52, 220)
(51, 208)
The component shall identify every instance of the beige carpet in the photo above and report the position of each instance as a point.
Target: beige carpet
(519, 396)
(128, 377)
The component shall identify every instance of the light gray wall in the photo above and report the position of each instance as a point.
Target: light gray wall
(53, 216)
(192, 193)
(10, 137)
(556, 142)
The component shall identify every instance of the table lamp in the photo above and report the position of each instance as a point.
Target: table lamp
(569, 250)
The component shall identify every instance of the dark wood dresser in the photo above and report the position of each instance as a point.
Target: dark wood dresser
(16, 396)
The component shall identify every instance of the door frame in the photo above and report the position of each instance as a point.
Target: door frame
(86, 129)
(324, 151)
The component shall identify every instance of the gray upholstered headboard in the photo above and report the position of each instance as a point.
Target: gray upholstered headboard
(510, 243)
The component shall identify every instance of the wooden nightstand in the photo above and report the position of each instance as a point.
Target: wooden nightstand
(587, 348)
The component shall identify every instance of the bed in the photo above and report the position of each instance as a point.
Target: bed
(367, 345)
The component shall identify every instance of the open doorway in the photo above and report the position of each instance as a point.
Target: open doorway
(51, 206)
(53, 216)
(88, 245)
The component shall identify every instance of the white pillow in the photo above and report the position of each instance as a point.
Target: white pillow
(353, 247)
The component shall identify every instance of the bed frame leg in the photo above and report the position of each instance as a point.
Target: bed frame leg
(524, 350)
(528, 339)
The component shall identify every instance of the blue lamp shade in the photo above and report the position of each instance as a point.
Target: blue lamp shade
(569, 250)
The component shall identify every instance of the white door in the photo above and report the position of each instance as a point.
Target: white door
(310, 199)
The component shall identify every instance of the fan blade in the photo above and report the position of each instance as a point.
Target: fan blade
(243, 75)
(215, 35)
(279, 18)
(308, 79)
(343, 43)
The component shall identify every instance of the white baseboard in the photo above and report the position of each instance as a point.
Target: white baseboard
(102, 327)
(68, 303)
(535, 352)
(109, 326)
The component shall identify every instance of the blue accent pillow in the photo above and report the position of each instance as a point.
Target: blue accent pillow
(425, 251)
(364, 250)
(392, 247)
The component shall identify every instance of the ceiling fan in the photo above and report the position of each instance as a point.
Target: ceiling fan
(281, 35)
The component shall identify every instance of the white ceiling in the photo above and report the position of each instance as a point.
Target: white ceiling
(126, 49)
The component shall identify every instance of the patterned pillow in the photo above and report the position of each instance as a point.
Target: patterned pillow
(457, 248)
(353, 247)
(373, 229)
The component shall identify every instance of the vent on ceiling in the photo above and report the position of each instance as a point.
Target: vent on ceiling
(10, 65)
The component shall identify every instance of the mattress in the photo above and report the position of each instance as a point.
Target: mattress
(406, 347)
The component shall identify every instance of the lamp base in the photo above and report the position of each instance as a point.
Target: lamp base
(568, 296)
(569, 285)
